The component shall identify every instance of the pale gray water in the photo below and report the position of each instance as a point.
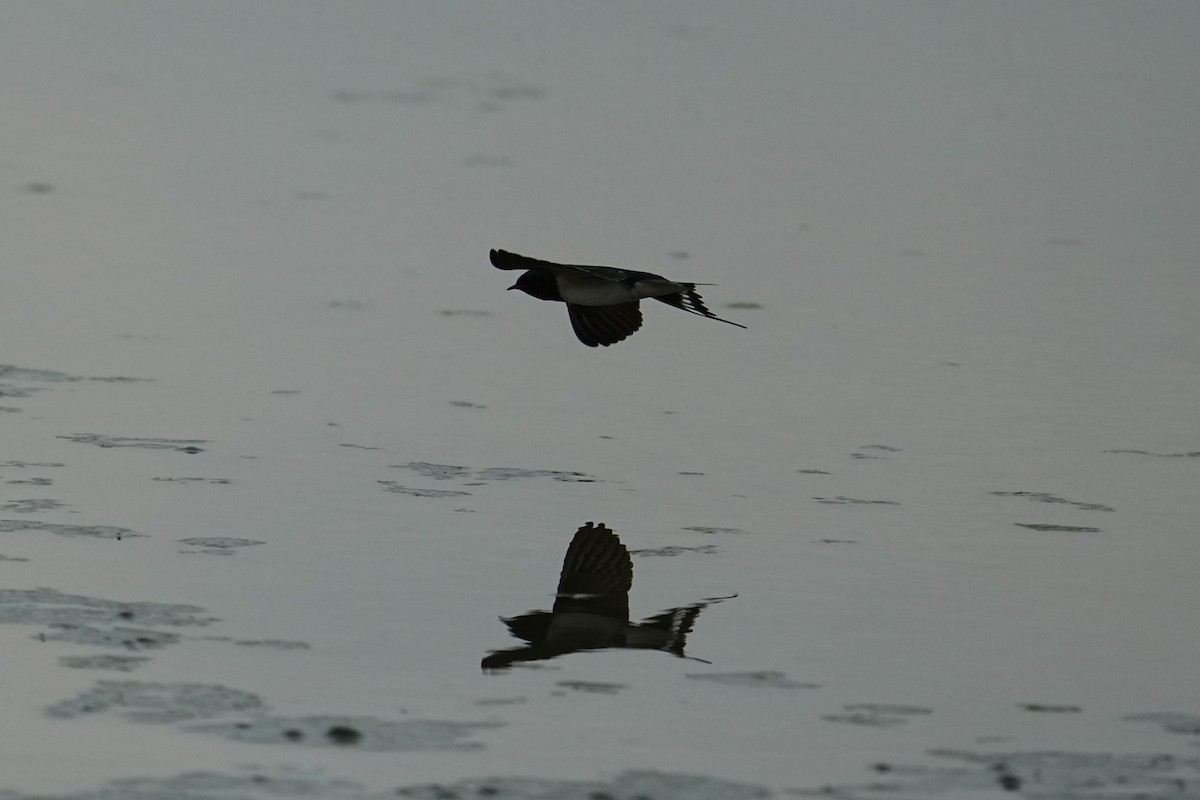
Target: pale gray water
(278, 448)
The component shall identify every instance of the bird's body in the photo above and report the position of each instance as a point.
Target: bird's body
(602, 301)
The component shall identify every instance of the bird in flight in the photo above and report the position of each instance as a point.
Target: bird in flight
(591, 609)
(601, 301)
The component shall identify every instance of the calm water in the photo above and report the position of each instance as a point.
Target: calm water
(280, 451)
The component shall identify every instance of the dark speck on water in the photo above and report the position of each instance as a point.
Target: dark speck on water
(343, 734)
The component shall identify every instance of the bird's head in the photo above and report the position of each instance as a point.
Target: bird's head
(538, 283)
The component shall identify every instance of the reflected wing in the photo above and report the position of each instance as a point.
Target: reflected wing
(596, 575)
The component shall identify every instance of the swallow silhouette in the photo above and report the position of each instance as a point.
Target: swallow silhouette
(602, 302)
(591, 609)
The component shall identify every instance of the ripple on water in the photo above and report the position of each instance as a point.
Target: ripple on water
(1043, 774)
(189, 446)
(363, 733)
(254, 783)
(142, 701)
(756, 680)
(452, 472)
(95, 531)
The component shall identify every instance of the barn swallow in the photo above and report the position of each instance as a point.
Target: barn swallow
(601, 301)
(591, 609)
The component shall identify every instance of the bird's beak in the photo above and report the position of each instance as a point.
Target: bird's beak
(511, 287)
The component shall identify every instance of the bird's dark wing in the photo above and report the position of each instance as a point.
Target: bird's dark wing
(604, 325)
(596, 575)
(502, 259)
(689, 300)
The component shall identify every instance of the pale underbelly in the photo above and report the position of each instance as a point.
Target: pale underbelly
(590, 292)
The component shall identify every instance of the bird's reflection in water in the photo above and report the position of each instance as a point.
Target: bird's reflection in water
(591, 609)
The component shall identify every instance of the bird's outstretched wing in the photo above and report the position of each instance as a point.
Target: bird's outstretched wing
(604, 325)
(502, 259)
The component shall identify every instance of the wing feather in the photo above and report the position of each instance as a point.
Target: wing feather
(604, 325)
